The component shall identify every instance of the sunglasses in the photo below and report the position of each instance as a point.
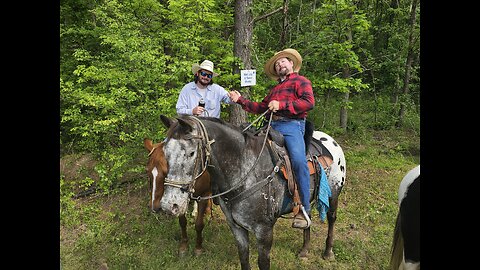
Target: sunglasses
(204, 74)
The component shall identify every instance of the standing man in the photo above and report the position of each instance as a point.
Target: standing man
(202, 97)
(290, 100)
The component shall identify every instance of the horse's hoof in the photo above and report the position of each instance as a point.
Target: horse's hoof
(303, 254)
(198, 251)
(182, 252)
(329, 256)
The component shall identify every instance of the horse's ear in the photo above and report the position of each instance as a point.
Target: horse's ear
(185, 126)
(166, 121)
(147, 143)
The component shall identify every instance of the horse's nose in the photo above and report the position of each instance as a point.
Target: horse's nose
(153, 209)
(175, 209)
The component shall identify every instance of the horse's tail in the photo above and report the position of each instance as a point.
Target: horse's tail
(397, 246)
(307, 137)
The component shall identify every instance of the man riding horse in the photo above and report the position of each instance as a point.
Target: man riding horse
(290, 100)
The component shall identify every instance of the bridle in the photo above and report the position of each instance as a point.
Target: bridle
(202, 159)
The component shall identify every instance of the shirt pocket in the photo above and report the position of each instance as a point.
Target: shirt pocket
(210, 104)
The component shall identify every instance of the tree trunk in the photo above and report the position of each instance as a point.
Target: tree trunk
(285, 24)
(241, 49)
(344, 106)
(346, 74)
(325, 106)
(382, 36)
(408, 66)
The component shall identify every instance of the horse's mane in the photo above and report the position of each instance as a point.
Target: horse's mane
(220, 121)
(173, 130)
(188, 118)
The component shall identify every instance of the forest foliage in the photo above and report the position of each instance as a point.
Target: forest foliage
(123, 63)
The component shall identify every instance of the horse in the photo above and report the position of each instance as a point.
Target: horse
(405, 250)
(157, 169)
(245, 179)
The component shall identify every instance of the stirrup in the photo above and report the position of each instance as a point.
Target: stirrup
(299, 222)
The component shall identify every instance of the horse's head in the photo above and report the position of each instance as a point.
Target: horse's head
(157, 171)
(185, 158)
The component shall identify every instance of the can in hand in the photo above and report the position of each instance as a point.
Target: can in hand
(201, 103)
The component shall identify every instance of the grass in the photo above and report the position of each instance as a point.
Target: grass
(118, 229)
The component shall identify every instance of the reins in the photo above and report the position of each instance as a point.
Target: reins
(258, 118)
(256, 186)
(205, 154)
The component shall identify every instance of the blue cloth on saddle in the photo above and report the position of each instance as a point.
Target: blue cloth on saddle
(324, 193)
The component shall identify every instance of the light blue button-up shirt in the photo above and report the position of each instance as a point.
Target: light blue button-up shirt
(214, 95)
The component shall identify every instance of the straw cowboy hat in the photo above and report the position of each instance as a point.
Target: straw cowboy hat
(291, 54)
(206, 65)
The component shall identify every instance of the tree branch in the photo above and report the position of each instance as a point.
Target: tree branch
(266, 15)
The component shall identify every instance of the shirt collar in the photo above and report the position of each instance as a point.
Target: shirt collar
(293, 74)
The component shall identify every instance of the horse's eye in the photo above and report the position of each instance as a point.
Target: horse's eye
(191, 154)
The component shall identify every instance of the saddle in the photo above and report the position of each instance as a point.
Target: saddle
(317, 155)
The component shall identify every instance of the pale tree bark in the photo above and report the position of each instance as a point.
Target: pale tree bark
(243, 26)
(285, 25)
(344, 106)
(346, 74)
(408, 65)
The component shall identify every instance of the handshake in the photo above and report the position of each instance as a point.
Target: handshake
(273, 105)
(234, 95)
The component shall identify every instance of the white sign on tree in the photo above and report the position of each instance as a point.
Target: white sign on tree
(248, 77)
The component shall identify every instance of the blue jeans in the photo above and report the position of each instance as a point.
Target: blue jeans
(293, 131)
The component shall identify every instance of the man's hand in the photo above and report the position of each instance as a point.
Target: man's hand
(198, 110)
(234, 95)
(274, 105)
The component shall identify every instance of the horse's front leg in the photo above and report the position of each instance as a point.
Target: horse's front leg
(306, 243)
(264, 245)
(241, 237)
(199, 225)
(182, 220)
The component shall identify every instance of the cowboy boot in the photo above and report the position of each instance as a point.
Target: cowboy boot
(301, 219)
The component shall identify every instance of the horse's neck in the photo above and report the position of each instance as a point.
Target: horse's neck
(235, 156)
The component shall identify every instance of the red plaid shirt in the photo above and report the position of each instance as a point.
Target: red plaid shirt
(294, 94)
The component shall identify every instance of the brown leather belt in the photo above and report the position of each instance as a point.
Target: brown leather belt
(278, 118)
